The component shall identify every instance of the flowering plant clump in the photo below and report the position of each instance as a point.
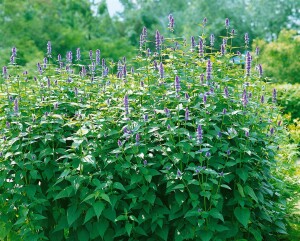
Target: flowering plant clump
(177, 144)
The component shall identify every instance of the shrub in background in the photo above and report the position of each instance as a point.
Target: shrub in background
(181, 147)
(280, 58)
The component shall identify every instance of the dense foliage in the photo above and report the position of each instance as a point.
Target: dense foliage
(281, 57)
(178, 144)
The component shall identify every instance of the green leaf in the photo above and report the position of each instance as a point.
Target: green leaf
(89, 159)
(226, 186)
(105, 197)
(256, 233)
(128, 227)
(242, 215)
(118, 185)
(242, 173)
(102, 226)
(83, 234)
(179, 186)
(240, 188)
(206, 235)
(162, 232)
(89, 214)
(72, 214)
(216, 214)
(249, 191)
(98, 207)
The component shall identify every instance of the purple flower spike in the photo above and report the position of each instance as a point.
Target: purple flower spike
(247, 133)
(14, 52)
(208, 70)
(260, 70)
(193, 44)
(161, 70)
(212, 40)
(119, 143)
(126, 104)
(83, 71)
(4, 71)
(49, 49)
(226, 92)
(199, 134)
(69, 57)
(145, 162)
(59, 58)
(144, 32)
(257, 51)
(207, 154)
(171, 22)
(248, 63)
(187, 114)
(91, 54)
(75, 91)
(272, 131)
(157, 40)
(137, 138)
(223, 49)
(16, 105)
(201, 51)
(177, 84)
(224, 111)
(226, 23)
(167, 111)
(204, 22)
(146, 117)
(204, 98)
(169, 127)
(279, 123)
(155, 65)
(98, 54)
(186, 95)
(7, 125)
(262, 99)
(201, 78)
(246, 37)
(124, 71)
(78, 55)
(232, 32)
(274, 96)
(12, 59)
(245, 98)
(179, 174)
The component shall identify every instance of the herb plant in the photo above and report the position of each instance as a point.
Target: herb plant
(177, 144)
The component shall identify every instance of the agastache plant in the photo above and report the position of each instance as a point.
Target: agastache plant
(171, 22)
(126, 105)
(49, 49)
(208, 70)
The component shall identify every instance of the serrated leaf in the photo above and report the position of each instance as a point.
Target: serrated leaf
(242, 215)
(102, 227)
(118, 185)
(256, 233)
(105, 197)
(89, 214)
(72, 214)
(249, 191)
(128, 228)
(216, 214)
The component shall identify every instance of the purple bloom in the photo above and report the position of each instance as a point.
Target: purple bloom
(199, 134)
(272, 131)
(98, 56)
(119, 143)
(260, 70)
(204, 21)
(161, 70)
(59, 58)
(257, 51)
(187, 114)
(14, 52)
(49, 49)
(226, 23)
(158, 40)
(201, 51)
(279, 123)
(167, 111)
(223, 49)
(7, 125)
(126, 104)
(124, 71)
(69, 57)
(226, 92)
(91, 54)
(155, 65)
(83, 71)
(201, 78)
(168, 127)
(103, 63)
(145, 162)
(246, 37)
(75, 91)
(146, 117)
(208, 70)
(132, 70)
(262, 99)
(4, 71)
(171, 22)
(142, 84)
(148, 52)
(55, 105)
(179, 174)
(207, 154)
(16, 105)
(186, 95)
(247, 133)
(228, 152)
(177, 84)
(12, 59)
(224, 111)
(232, 32)
(144, 32)
(141, 41)
(137, 138)
(204, 98)
(78, 55)
(248, 63)
(48, 82)
(212, 40)
(245, 98)
(193, 44)
(274, 96)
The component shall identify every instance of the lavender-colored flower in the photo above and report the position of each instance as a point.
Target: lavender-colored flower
(274, 96)
(161, 70)
(250, 95)
(248, 63)
(105, 72)
(155, 65)
(226, 23)
(257, 51)
(103, 63)
(226, 92)
(49, 49)
(247, 133)
(238, 53)
(83, 71)
(12, 59)
(204, 98)
(7, 125)
(146, 117)
(144, 33)
(91, 54)
(208, 70)
(212, 40)
(141, 41)
(145, 162)
(204, 22)
(279, 123)
(167, 112)
(272, 131)
(187, 114)
(201, 78)
(124, 71)
(78, 55)
(75, 91)
(232, 32)
(199, 134)
(4, 71)
(168, 127)
(260, 70)
(245, 98)
(137, 138)
(224, 111)
(157, 40)
(148, 52)
(177, 84)
(69, 57)
(14, 52)
(126, 104)
(120, 66)
(193, 44)
(48, 82)
(16, 105)
(246, 37)
(58, 57)
(179, 174)
(171, 22)
(262, 99)
(142, 84)
(207, 154)
(223, 49)
(45, 63)
(201, 51)
(98, 56)
(186, 95)
(55, 105)
(119, 143)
